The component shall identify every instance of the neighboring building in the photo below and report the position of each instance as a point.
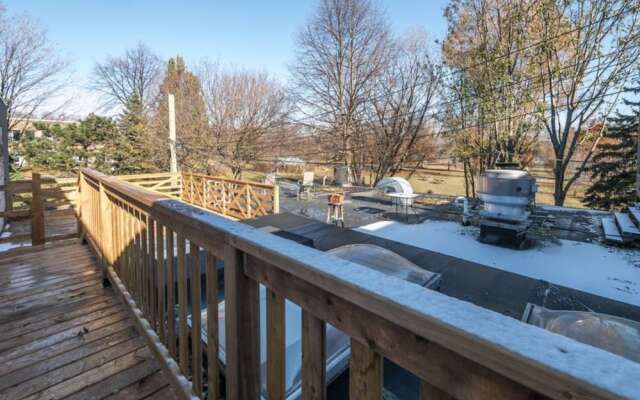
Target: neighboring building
(27, 127)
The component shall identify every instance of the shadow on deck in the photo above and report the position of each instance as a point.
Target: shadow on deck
(65, 336)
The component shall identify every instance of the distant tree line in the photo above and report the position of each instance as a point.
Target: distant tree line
(508, 76)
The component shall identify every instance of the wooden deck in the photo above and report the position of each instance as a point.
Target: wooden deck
(64, 336)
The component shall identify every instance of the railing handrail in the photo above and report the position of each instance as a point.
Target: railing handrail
(229, 180)
(483, 341)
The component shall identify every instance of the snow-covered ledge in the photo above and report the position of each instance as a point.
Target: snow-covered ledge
(551, 364)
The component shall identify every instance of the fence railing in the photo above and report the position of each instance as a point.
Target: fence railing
(31, 198)
(155, 249)
(234, 198)
(164, 182)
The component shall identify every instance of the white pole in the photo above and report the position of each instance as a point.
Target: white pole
(172, 134)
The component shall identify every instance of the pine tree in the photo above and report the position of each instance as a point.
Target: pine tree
(191, 117)
(128, 151)
(613, 170)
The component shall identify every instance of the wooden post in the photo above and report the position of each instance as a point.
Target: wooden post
(313, 357)
(212, 327)
(276, 199)
(79, 206)
(172, 134)
(247, 196)
(196, 331)
(37, 212)
(242, 329)
(275, 345)
(365, 373)
(104, 242)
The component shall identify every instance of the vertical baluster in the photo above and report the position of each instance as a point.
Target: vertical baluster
(365, 373)
(212, 327)
(182, 307)
(313, 357)
(160, 281)
(137, 258)
(171, 302)
(115, 231)
(153, 291)
(275, 345)
(242, 329)
(145, 266)
(196, 356)
(127, 242)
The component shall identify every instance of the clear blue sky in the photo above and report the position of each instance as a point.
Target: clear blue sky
(254, 34)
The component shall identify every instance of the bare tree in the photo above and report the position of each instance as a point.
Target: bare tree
(246, 109)
(400, 104)
(31, 71)
(341, 52)
(135, 73)
(590, 47)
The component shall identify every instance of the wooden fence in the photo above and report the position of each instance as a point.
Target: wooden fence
(234, 198)
(164, 182)
(150, 244)
(32, 198)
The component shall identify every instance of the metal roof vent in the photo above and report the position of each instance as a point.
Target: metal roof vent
(508, 196)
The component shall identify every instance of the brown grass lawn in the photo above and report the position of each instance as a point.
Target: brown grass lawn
(437, 179)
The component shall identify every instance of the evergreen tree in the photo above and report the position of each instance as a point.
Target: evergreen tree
(68, 147)
(613, 170)
(191, 117)
(128, 151)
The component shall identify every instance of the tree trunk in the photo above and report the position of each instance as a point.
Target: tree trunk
(559, 193)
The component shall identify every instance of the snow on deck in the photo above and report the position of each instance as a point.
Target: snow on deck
(605, 271)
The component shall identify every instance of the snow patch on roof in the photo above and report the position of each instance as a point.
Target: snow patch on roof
(605, 271)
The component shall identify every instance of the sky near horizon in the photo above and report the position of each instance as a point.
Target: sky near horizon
(246, 33)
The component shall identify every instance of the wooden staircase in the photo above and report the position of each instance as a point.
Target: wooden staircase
(622, 227)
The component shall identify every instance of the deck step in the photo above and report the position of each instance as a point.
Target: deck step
(635, 214)
(611, 232)
(626, 225)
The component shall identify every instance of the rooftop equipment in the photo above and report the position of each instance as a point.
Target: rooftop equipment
(396, 184)
(508, 196)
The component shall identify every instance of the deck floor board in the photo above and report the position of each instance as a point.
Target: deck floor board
(65, 336)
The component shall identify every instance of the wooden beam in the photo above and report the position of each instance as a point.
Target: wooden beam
(37, 213)
(275, 346)
(242, 320)
(430, 392)
(365, 373)
(313, 357)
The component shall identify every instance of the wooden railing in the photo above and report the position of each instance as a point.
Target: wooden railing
(31, 198)
(229, 197)
(150, 244)
(164, 182)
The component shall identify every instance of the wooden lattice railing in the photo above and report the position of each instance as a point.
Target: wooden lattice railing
(229, 197)
(151, 244)
(164, 182)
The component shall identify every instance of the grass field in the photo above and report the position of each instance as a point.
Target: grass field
(438, 179)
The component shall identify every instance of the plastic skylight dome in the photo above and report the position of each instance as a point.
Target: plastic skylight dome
(385, 261)
(614, 334)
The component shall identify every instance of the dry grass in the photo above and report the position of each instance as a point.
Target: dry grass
(439, 180)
